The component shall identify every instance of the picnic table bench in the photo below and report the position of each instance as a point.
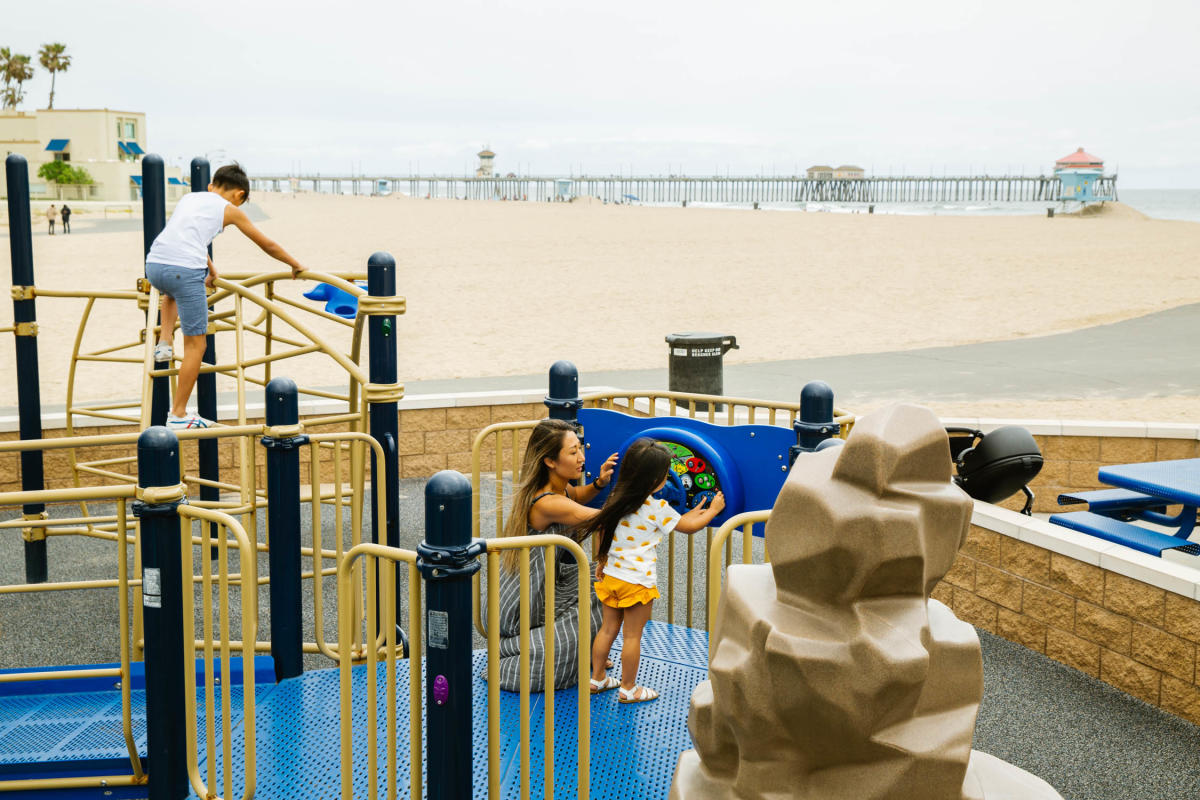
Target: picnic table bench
(1143, 492)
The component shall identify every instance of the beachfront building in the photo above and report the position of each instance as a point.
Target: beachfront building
(485, 163)
(108, 144)
(820, 172)
(1078, 175)
(849, 172)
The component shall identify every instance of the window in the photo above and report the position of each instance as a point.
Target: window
(130, 129)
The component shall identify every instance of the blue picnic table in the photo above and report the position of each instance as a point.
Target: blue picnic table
(1163, 483)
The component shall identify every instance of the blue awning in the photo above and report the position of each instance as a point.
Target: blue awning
(136, 179)
(134, 149)
(176, 182)
(57, 145)
(123, 148)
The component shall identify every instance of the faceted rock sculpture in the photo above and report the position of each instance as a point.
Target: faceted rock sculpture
(833, 674)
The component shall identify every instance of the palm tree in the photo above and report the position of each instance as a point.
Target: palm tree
(5, 59)
(53, 58)
(16, 71)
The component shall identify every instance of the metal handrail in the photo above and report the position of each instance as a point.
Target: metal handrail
(247, 557)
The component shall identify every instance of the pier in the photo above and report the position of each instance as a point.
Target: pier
(696, 189)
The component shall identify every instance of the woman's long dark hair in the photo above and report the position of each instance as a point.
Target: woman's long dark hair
(546, 441)
(642, 469)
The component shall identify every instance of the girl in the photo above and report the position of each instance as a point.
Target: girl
(547, 501)
(630, 525)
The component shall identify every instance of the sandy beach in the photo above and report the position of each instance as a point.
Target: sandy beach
(499, 288)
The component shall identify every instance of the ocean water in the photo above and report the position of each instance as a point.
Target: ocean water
(1164, 203)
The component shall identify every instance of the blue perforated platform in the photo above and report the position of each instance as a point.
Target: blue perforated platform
(72, 727)
(634, 747)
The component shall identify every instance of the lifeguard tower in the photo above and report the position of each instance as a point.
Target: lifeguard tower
(1079, 176)
(485, 163)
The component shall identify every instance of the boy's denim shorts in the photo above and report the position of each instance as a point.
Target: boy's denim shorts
(186, 285)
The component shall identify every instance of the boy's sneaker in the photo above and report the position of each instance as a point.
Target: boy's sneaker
(190, 421)
(163, 351)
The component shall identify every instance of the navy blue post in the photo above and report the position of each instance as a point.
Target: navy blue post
(563, 399)
(29, 393)
(385, 416)
(283, 521)
(206, 383)
(816, 418)
(447, 559)
(154, 219)
(162, 617)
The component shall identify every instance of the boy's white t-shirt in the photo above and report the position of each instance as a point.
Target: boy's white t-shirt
(196, 221)
(631, 556)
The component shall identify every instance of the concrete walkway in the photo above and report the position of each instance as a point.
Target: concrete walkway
(1150, 355)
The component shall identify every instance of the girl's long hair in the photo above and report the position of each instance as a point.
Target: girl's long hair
(546, 441)
(642, 469)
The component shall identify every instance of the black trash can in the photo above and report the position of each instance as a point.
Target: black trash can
(696, 364)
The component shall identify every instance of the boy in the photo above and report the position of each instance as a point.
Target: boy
(179, 267)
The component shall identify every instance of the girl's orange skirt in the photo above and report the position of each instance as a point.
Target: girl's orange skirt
(616, 593)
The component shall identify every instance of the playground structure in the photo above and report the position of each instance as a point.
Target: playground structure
(192, 525)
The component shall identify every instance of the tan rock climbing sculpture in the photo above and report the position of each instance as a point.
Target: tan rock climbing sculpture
(833, 673)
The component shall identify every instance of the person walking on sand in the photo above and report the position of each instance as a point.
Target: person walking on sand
(66, 218)
(631, 524)
(179, 267)
(51, 216)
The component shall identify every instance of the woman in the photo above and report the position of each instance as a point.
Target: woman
(547, 501)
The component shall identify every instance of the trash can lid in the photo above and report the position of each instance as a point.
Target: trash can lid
(697, 337)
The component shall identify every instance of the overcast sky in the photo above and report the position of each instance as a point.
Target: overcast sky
(648, 86)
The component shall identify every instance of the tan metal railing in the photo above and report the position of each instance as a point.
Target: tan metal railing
(122, 672)
(234, 295)
(651, 403)
(383, 575)
(721, 541)
(523, 544)
(345, 496)
(357, 444)
(382, 619)
(216, 638)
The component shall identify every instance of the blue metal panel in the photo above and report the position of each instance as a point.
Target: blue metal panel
(57, 145)
(134, 149)
(750, 461)
(136, 179)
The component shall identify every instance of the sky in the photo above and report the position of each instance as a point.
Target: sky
(642, 87)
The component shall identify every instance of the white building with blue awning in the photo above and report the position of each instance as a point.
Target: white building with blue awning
(109, 144)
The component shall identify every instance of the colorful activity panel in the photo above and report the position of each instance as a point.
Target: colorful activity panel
(748, 463)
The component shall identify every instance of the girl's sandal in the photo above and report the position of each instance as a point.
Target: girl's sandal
(632, 695)
(609, 682)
